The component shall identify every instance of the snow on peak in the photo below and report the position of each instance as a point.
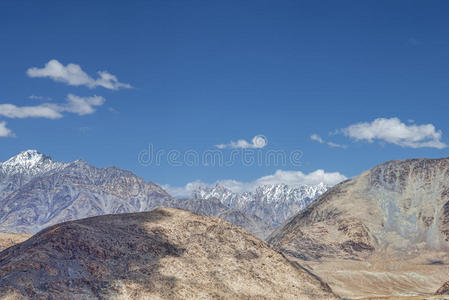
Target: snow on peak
(27, 163)
(274, 202)
(28, 158)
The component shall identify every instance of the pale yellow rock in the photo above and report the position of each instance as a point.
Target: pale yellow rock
(8, 239)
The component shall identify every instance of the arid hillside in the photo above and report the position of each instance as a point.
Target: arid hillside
(383, 233)
(162, 254)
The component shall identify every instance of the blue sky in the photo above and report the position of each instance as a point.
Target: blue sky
(205, 73)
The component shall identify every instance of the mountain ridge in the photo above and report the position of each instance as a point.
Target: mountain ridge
(165, 253)
(273, 203)
(38, 192)
(399, 229)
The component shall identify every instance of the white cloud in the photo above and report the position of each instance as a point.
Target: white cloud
(183, 191)
(280, 176)
(37, 111)
(75, 104)
(34, 97)
(72, 74)
(4, 131)
(82, 105)
(259, 141)
(394, 131)
(317, 138)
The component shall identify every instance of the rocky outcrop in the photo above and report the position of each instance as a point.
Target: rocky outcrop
(444, 290)
(162, 254)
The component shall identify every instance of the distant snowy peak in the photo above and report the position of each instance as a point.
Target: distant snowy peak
(29, 162)
(218, 191)
(274, 203)
(267, 193)
(286, 193)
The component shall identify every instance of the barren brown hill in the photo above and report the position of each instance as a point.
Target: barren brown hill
(383, 233)
(162, 254)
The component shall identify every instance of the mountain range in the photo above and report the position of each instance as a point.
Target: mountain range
(36, 192)
(274, 203)
(382, 234)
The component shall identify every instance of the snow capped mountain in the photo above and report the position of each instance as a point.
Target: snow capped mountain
(22, 168)
(29, 162)
(272, 203)
(36, 192)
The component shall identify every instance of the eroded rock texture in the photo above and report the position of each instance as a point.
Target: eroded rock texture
(165, 253)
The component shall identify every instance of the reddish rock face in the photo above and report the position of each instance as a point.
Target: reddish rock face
(165, 253)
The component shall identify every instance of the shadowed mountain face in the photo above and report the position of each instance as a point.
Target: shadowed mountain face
(213, 207)
(396, 212)
(36, 192)
(165, 253)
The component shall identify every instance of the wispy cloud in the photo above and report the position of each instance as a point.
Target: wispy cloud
(36, 111)
(413, 41)
(81, 105)
(280, 176)
(34, 97)
(395, 132)
(74, 104)
(316, 137)
(319, 139)
(259, 141)
(4, 131)
(72, 74)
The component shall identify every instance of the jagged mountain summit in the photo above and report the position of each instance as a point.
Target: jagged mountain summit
(37, 192)
(20, 169)
(55, 192)
(272, 203)
(162, 254)
(388, 227)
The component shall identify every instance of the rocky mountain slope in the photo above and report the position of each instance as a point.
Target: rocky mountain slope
(213, 207)
(391, 222)
(59, 192)
(36, 192)
(274, 204)
(165, 253)
(22, 168)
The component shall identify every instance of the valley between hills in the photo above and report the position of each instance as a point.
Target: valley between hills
(70, 230)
